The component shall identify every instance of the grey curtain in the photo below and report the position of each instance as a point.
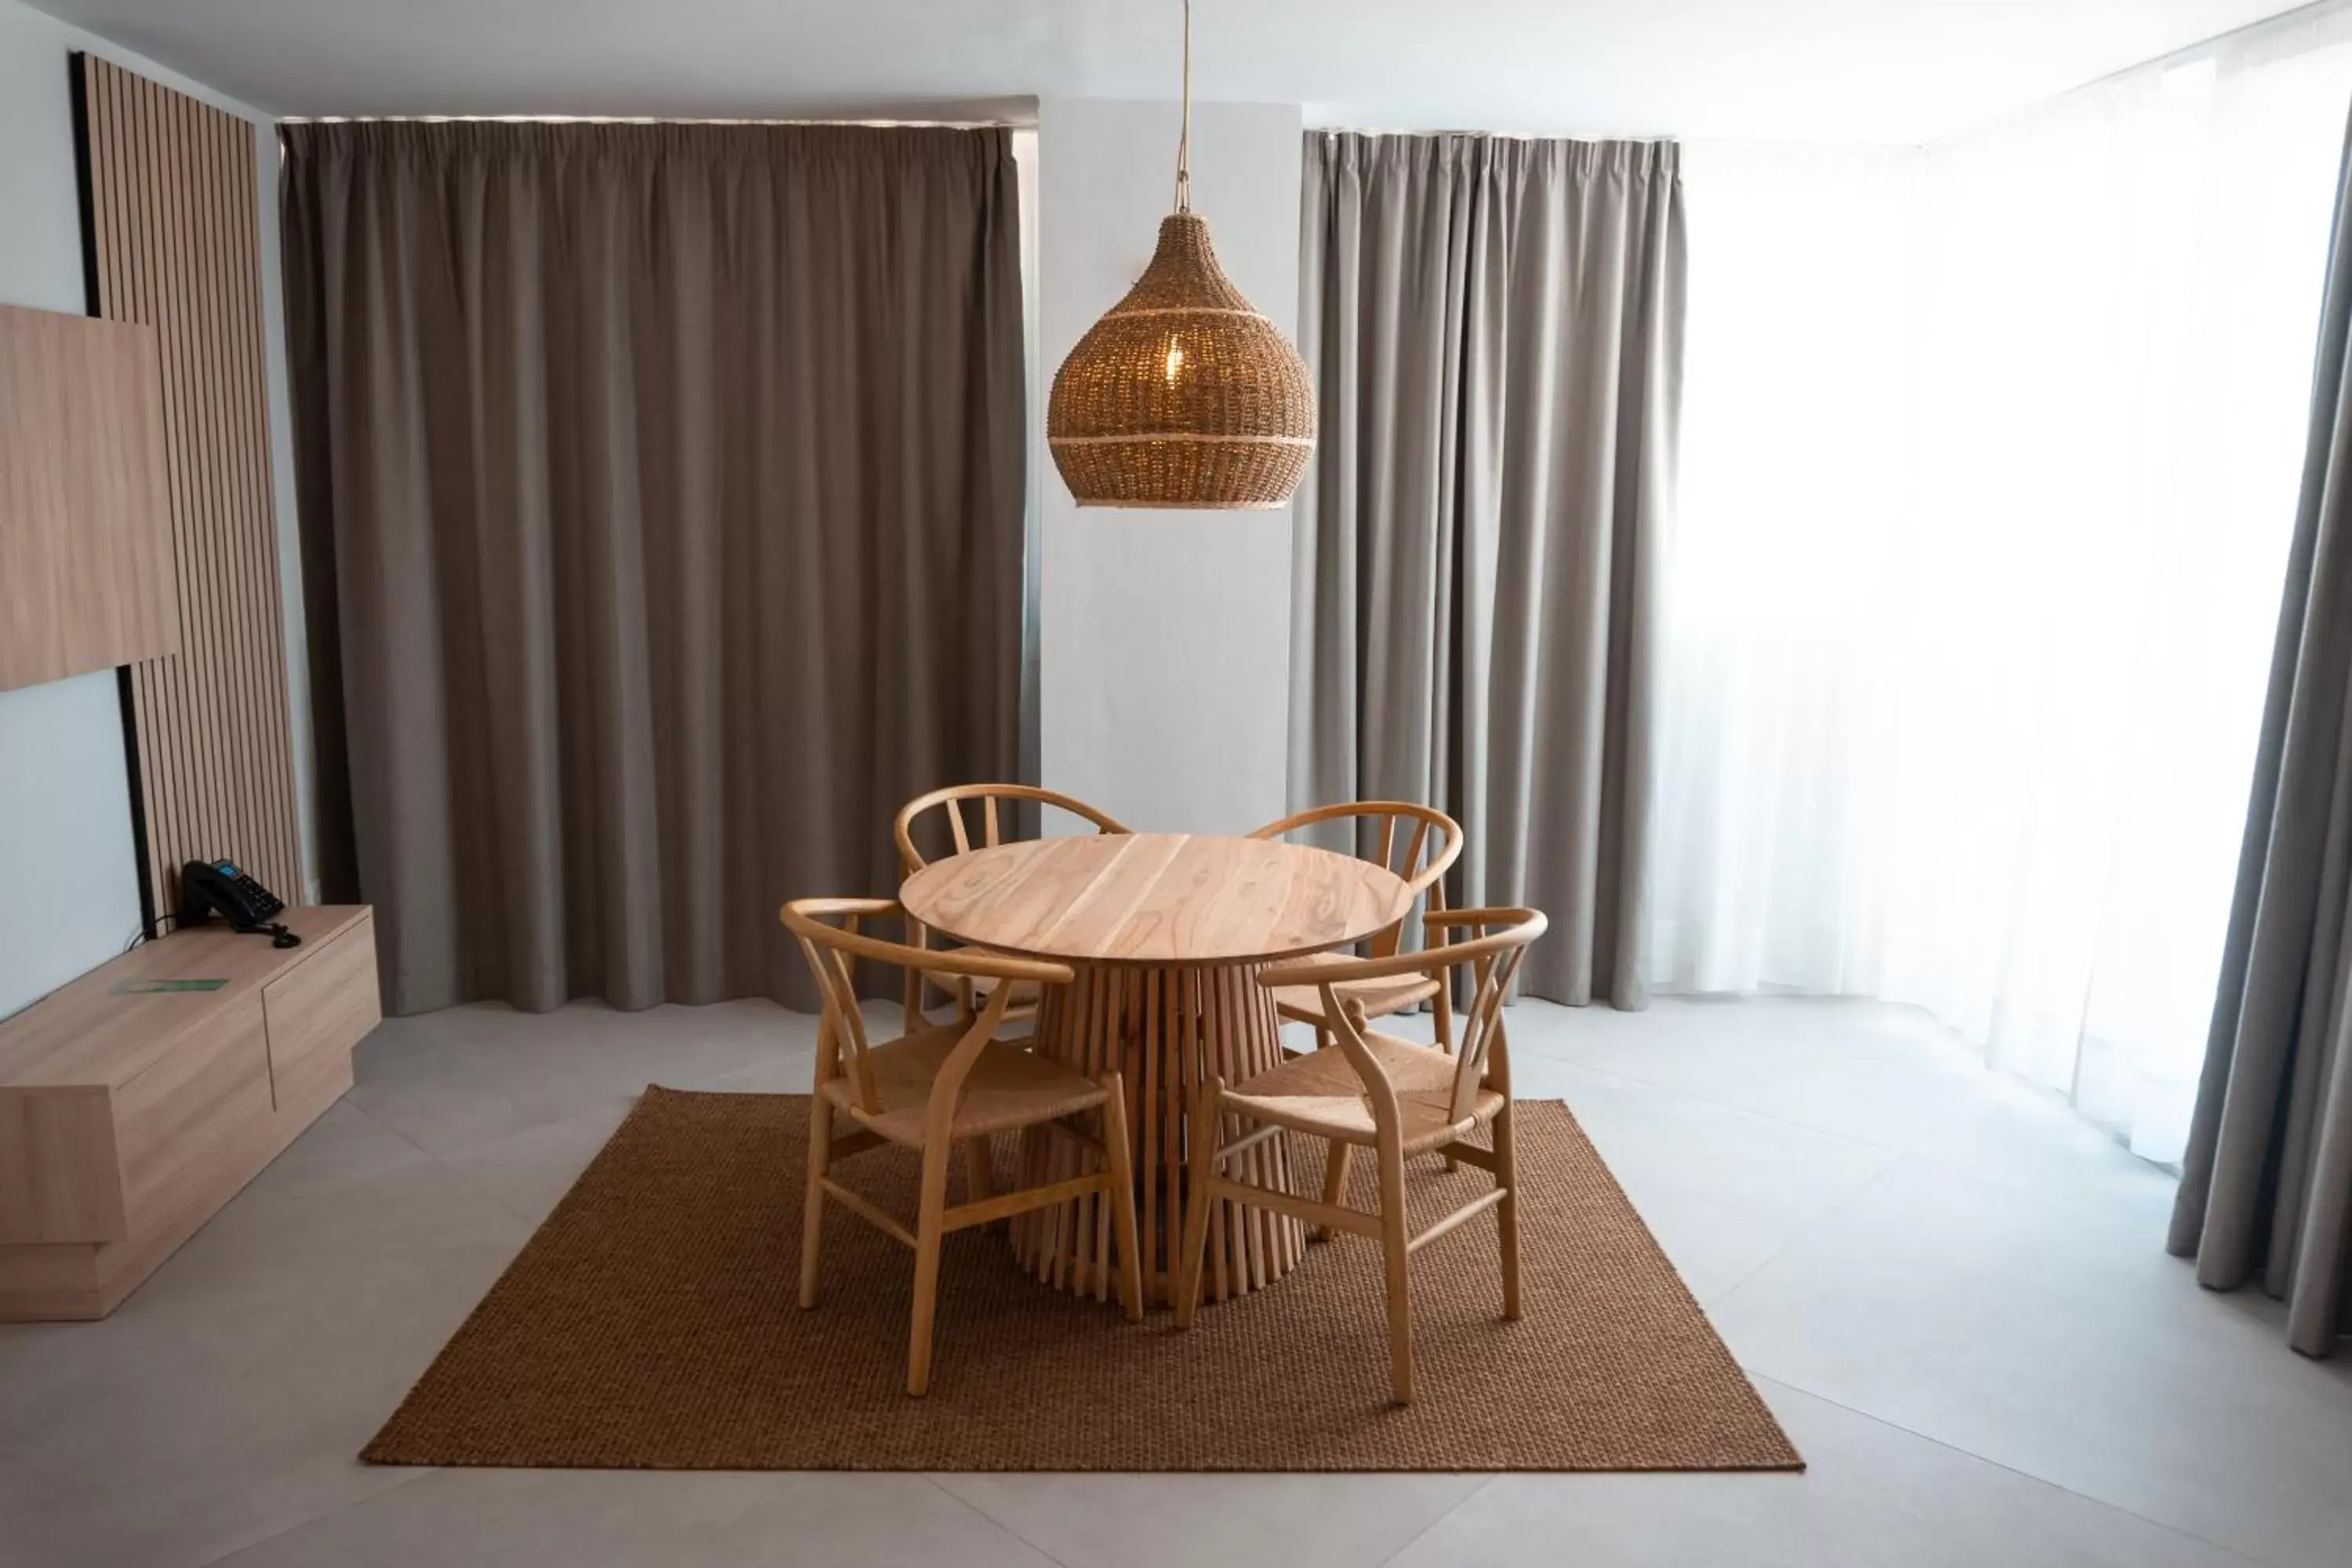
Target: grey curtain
(662, 511)
(1496, 329)
(2266, 1183)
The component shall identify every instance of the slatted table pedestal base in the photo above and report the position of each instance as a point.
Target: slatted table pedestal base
(1165, 1029)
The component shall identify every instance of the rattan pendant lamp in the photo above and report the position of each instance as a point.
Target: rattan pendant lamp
(1183, 396)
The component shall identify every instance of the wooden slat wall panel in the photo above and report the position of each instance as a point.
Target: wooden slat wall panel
(175, 232)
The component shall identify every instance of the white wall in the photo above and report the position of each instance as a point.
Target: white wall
(1164, 636)
(64, 808)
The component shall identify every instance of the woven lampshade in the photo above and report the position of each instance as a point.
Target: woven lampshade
(1184, 395)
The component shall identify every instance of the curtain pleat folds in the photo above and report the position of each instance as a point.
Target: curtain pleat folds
(1496, 329)
(662, 509)
(2266, 1184)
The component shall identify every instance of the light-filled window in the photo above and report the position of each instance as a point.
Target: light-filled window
(1989, 462)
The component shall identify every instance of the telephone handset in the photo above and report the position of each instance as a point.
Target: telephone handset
(206, 885)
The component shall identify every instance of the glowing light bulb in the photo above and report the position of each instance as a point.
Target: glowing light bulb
(1175, 362)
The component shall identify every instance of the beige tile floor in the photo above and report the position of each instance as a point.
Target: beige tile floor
(1955, 1296)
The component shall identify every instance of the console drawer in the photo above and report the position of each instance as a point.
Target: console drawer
(193, 1109)
(317, 1011)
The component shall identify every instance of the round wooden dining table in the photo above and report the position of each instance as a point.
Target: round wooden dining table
(1166, 933)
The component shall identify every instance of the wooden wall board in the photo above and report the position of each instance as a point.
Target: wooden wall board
(86, 574)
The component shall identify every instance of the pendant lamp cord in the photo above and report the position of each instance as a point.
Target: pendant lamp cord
(1184, 138)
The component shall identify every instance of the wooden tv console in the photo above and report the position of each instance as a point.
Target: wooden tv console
(130, 1115)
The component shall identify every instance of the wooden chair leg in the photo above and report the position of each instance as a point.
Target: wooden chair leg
(930, 1229)
(1121, 1197)
(1186, 1265)
(1507, 1213)
(1335, 1186)
(1393, 1244)
(820, 1161)
(979, 1173)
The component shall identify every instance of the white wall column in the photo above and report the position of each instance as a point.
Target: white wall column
(1164, 639)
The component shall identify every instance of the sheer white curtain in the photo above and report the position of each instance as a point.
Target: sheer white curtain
(1990, 459)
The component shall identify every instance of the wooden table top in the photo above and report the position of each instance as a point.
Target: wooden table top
(1160, 898)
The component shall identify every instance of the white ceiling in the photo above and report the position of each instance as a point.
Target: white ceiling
(1895, 70)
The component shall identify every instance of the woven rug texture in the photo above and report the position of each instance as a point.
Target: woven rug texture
(651, 1323)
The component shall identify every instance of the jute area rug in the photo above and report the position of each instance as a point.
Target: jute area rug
(651, 1324)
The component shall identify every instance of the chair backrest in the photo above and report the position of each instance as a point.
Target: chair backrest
(833, 950)
(952, 801)
(1487, 945)
(1430, 842)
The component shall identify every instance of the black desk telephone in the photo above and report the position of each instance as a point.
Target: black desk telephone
(206, 885)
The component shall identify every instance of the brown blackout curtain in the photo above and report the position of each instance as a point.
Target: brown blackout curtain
(662, 512)
(1496, 329)
(2266, 1183)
